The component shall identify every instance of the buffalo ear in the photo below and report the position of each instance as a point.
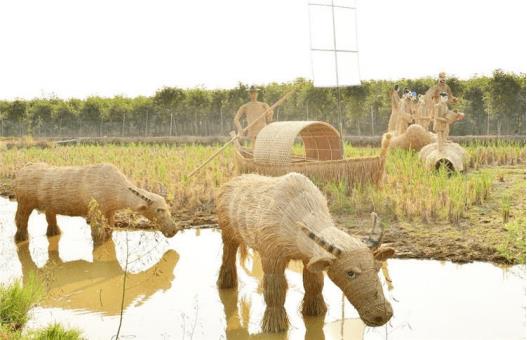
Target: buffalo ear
(383, 253)
(142, 208)
(319, 263)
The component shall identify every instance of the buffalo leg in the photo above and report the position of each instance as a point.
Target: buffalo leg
(21, 219)
(228, 276)
(53, 228)
(313, 303)
(275, 289)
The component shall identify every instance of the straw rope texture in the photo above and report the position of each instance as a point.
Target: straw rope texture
(450, 154)
(274, 142)
(414, 138)
(323, 159)
(287, 218)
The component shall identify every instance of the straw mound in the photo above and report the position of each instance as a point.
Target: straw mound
(414, 138)
(452, 155)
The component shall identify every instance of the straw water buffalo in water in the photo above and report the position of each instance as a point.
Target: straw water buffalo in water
(69, 191)
(287, 218)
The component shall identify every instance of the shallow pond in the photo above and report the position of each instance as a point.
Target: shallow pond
(171, 290)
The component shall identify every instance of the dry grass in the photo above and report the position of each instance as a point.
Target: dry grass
(409, 191)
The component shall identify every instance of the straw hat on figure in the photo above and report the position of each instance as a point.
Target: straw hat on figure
(253, 112)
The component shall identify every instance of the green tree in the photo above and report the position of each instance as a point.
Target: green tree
(503, 100)
(169, 101)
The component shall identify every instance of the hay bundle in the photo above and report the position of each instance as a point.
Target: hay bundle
(451, 155)
(414, 138)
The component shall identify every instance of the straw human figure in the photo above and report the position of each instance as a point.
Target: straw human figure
(405, 112)
(252, 112)
(422, 117)
(433, 95)
(396, 103)
(440, 120)
(443, 118)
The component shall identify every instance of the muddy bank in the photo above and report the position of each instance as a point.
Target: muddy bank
(481, 235)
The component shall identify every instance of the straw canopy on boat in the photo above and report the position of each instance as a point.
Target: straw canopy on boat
(321, 158)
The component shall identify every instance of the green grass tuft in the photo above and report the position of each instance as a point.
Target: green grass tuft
(55, 332)
(15, 302)
(513, 246)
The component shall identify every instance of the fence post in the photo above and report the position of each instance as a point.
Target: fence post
(372, 128)
(122, 127)
(146, 124)
(221, 119)
(171, 123)
(488, 123)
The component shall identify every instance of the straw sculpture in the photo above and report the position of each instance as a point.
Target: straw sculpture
(287, 218)
(69, 191)
(451, 155)
(323, 158)
(414, 138)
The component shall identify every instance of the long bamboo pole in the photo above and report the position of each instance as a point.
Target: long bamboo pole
(272, 107)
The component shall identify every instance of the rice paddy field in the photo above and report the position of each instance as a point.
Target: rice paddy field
(478, 215)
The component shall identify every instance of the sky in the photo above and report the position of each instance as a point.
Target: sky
(79, 48)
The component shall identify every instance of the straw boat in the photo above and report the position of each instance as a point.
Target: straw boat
(322, 159)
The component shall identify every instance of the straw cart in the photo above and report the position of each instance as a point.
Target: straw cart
(322, 159)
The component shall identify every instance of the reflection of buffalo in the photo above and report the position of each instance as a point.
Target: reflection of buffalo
(237, 328)
(237, 311)
(96, 286)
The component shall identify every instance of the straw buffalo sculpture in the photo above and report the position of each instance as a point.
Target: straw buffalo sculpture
(69, 190)
(414, 138)
(287, 218)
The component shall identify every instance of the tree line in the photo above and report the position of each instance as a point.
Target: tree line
(492, 105)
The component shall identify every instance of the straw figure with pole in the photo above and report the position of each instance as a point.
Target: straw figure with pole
(287, 218)
(250, 125)
(253, 113)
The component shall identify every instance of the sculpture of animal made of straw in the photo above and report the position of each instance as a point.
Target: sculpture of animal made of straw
(68, 190)
(287, 218)
(414, 138)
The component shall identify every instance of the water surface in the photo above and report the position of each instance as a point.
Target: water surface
(171, 290)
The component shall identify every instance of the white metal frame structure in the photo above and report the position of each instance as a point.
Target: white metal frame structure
(334, 45)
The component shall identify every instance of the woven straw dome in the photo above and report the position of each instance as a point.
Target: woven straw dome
(275, 141)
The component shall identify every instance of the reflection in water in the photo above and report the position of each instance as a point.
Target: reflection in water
(175, 297)
(97, 286)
